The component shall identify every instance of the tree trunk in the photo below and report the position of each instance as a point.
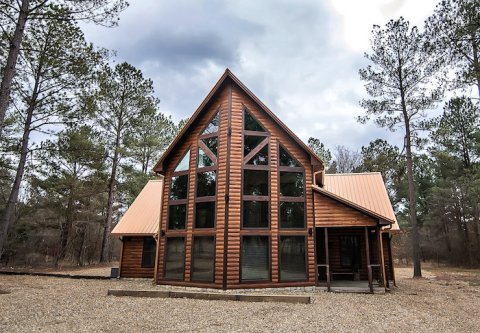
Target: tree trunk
(13, 197)
(476, 64)
(104, 254)
(9, 70)
(65, 228)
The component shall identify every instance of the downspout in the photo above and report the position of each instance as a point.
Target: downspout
(157, 236)
(387, 230)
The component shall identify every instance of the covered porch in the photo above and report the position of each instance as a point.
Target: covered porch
(353, 259)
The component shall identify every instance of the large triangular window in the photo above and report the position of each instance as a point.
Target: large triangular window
(286, 159)
(250, 123)
(255, 141)
(213, 126)
(184, 163)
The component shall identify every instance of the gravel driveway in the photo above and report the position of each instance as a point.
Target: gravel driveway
(45, 304)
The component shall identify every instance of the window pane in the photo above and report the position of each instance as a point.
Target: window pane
(203, 258)
(203, 159)
(205, 215)
(292, 258)
(255, 182)
(261, 158)
(286, 159)
(212, 144)
(292, 215)
(206, 183)
(250, 142)
(148, 255)
(175, 258)
(255, 258)
(213, 126)
(251, 124)
(291, 184)
(255, 214)
(177, 217)
(179, 187)
(184, 163)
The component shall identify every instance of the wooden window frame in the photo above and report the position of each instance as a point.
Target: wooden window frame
(184, 236)
(269, 258)
(243, 197)
(282, 198)
(198, 235)
(142, 264)
(305, 237)
(179, 201)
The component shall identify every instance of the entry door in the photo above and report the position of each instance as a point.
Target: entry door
(350, 252)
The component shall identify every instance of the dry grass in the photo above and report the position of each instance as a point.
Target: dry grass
(443, 301)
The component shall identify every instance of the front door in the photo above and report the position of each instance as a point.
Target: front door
(350, 254)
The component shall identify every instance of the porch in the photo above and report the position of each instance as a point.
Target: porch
(353, 259)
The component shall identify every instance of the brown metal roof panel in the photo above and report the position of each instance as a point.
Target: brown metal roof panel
(142, 217)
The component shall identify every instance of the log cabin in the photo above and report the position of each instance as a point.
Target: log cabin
(242, 202)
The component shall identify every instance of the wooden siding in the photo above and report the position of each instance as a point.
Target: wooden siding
(131, 263)
(329, 212)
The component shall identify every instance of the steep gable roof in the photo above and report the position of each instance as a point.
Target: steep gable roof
(228, 75)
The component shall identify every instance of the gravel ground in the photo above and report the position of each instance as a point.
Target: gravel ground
(444, 301)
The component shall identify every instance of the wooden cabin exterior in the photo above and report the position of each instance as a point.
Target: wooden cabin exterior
(244, 203)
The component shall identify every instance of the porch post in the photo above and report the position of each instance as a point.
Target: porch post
(380, 256)
(327, 262)
(369, 268)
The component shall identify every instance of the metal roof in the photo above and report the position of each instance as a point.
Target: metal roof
(363, 191)
(142, 217)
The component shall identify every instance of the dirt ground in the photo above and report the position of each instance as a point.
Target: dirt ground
(445, 300)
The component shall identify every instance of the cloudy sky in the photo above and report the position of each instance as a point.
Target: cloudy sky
(300, 57)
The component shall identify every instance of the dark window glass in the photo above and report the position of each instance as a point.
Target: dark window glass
(286, 159)
(250, 142)
(292, 215)
(203, 159)
(255, 214)
(205, 214)
(251, 124)
(212, 144)
(177, 217)
(184, 163)
(148, 255)
(255, 182)
(255, 258)
(291, 184)
(292, 258)
(175, 258)
(261, 158)
(179, 187)
(206, 183)
(213, 126)
(350, 252)
(203, 258)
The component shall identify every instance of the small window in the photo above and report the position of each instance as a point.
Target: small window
(255, 214)
(179, 187)
(212, 127)
(203, 258)
(291, 184)
(203, 159)
(286, 159)
(175, 258)
(148, 254)
(184, 163)
(261, 158)
(250, 123)
(292, 214)
(255, 258)
(177, 217)
(293, 264)
(205, 214)
(206, 183)
(255, 182)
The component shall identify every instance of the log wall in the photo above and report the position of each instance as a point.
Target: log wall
(131, 264)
